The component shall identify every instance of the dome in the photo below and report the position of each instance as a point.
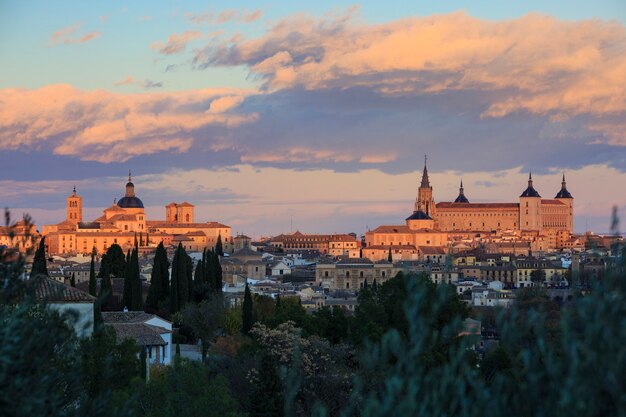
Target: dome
(461, 199)
(419, 215)
(530, 190)
(130, 202)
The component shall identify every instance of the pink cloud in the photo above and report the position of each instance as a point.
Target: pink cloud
(107, 127)
(176, 43)
(68, 35)
(535, 64)
(225, 16)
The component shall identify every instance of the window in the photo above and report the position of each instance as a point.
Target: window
(347, 285)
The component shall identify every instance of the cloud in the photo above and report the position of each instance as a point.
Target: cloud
(107, 127)
(68, 35)
(126, 81)
(149, 84)
(146, 18)
(225, 103)
(176, 43)
(225, 16)
(508, 64)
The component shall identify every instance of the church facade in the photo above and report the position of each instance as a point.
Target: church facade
(125, 221)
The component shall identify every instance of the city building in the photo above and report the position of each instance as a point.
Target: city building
(125, 221)
(335, 244)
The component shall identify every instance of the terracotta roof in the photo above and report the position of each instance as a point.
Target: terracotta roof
(123, 217)
(394, 247)
(110, 317)
(553, 202)
(53, 291)
(171, 204)
(391, 229)
(141, 333)
(207, 225)
(185, 204)
(432, 250)
(114, 207)
(457, 206)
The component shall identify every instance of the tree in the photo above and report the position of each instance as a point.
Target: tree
(219, 248)
(113, 262)
(127, 295)
(39, 262)
(538, 276)
(246, 313)
(205, 319)
(136, 295)
(218, 283)
(92, 277)
(179, 291)
(73, 280)
(268, 398)
(389, 257)
(159, 281)
(143, 368)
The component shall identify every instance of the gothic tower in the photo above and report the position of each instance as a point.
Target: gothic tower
(566, 198)
(74, 207)
(530, 208)
(425, 200)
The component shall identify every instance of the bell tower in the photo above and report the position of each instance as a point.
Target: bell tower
(425, 200)
(74, 207)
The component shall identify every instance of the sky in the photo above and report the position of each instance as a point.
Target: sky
(279, 116)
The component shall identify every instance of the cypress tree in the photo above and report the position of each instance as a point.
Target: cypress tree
(246, 311)
(219, 248)
(136, 290)
(209, 270)
(189, 275)
(127, 296)
(268, 398)
(199, 284)
(159, 281)
(174, 304)
(218, 282)
(389, 257)
(39, 262)
(142, 368)
(92, 278)
(140, 239)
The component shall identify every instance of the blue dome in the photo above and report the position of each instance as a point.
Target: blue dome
(130, 202)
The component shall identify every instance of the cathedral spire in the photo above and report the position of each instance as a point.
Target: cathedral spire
(461, 198)
(530, 191)
(129, 177)
(425, 181)
(563, 193)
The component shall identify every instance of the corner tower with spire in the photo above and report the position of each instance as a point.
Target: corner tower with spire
(530, 208)
(425, 201)
(74, 207)
(566, 198)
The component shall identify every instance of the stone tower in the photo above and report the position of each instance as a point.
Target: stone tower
(425, 200)
(566, 198)
(530, 208)
(74, 208)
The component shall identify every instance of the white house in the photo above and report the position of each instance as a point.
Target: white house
(492, 295)
(65, 298)
(280, 268)
(147, 330)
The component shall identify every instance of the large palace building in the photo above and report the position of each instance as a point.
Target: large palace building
(433, 227)
(125, 221)
(531, 213)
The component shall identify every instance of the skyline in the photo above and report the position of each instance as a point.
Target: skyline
(259, 114)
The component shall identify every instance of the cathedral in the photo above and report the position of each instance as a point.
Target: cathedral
(124, 221)
(531, 213)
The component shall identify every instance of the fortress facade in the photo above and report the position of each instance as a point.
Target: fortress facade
(531, 212)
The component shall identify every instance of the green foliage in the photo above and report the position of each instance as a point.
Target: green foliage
(39, 261)
(233, 321)
(205, 319)
(179, 286)
(246, 312)
(188, 390)
(289, 309)
(219, 248)
(268, 398)
(73, 280)
(92, 277)
(331, 324)
(127, 295)
(143, 367)
(113, 262)
(538, 276)
(136, 301)
(159, 280)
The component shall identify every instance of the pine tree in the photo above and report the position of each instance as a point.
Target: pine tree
(136, 294)
(247, 311)
(219, 248)
(92, 277)
(39, 262)
(127, 296)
